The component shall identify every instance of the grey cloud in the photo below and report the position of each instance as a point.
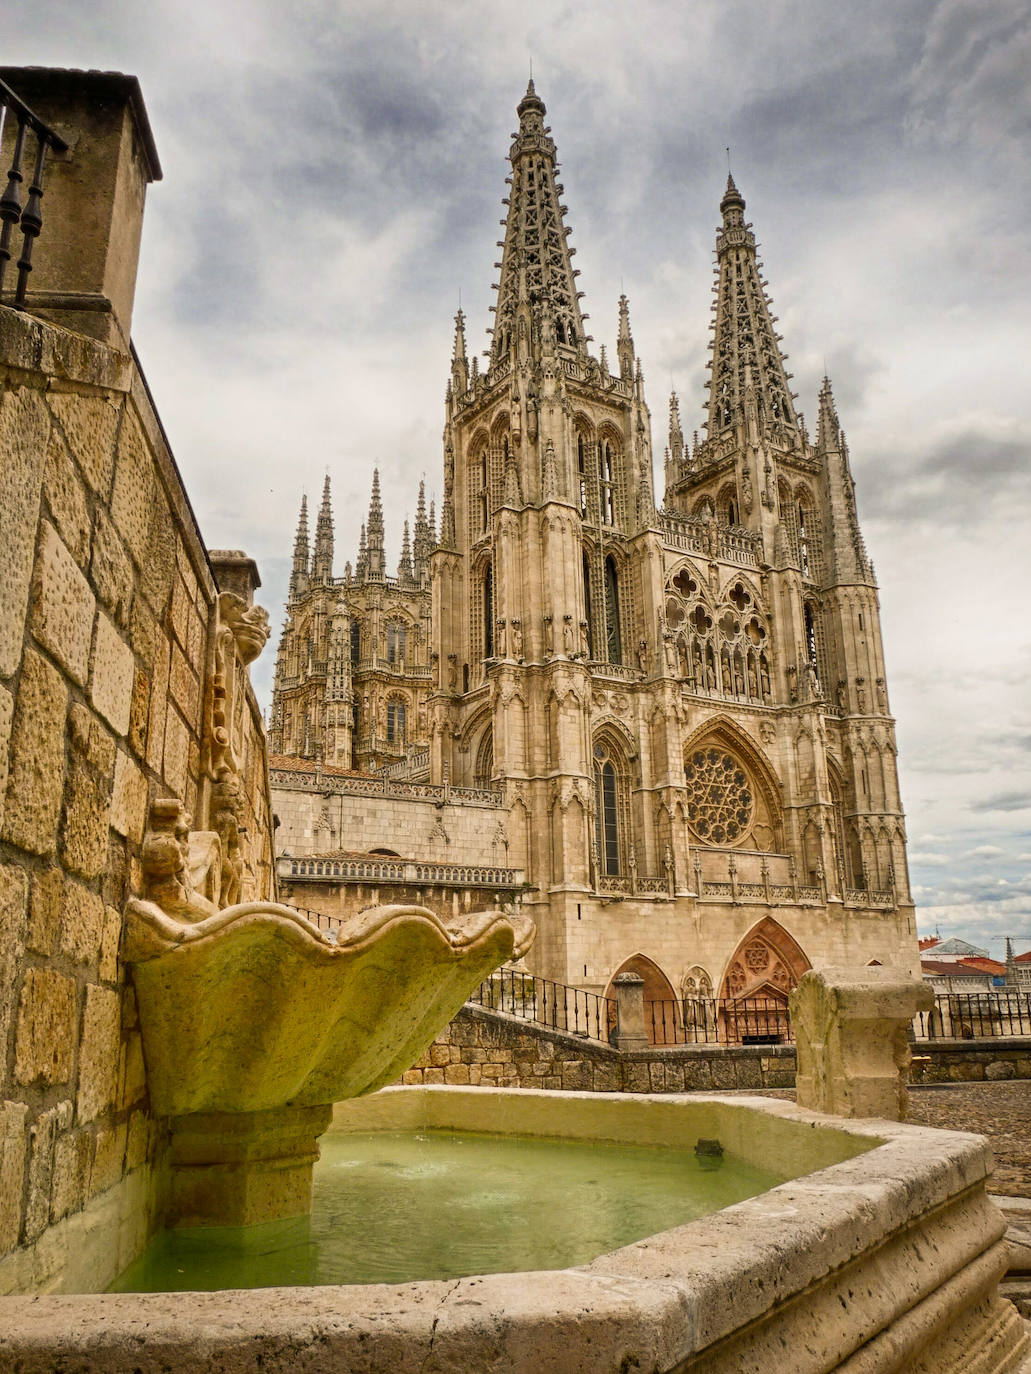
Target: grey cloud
(1003, 801)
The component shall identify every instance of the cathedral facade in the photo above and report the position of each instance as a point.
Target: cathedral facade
(678, 711)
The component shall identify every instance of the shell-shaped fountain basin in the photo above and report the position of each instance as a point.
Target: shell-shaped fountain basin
(254, 1007)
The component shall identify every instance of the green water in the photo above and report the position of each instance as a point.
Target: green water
(392, 1207)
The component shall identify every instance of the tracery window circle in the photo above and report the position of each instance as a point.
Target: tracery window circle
(720, 804)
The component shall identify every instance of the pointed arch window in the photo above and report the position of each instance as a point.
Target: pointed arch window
(588, 614)
(803, 540)
(488, 612)
(611, 818)
(356, 641)
(613, 631)
(607, 482)
(483, 499)
(812, 638)
(581, 464)
(396, 639)
(396, 722)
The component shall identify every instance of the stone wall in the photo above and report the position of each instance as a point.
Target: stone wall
(971, 1061)
(489, 1049)
(109, 643)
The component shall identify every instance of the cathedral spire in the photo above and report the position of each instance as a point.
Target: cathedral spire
(625, 342)
(322, 556)
(299, 575)
(423, 542)
(850, 561)
(459, 357)
(374, 529)
(362, 564)
(536, 268)
(744, 341)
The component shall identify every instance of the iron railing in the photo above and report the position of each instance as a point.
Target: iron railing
(587, 1014)
(13, 214)
(975, 1016)
(711, 1021)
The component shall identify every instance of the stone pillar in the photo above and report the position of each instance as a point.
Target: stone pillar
(630, 1031)
(851, 1030)
(238, 1168)
(84, 265)
(235, 572)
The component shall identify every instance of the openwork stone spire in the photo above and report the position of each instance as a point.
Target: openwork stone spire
(322, 557)
(676, 434)
(299, 574)
(849, 558)
(374, 531)
(404, 566)
(536, 267)
(745, 347)
(625, 342)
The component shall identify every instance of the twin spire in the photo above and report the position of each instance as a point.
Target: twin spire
(537, 286)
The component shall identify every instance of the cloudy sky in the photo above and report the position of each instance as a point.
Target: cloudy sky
(333, 175)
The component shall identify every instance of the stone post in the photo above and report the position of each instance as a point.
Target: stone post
(84, 267)
(235, 572)
(630, 1031)
(851, 1028)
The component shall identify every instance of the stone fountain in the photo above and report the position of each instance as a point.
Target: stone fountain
(255, 1022)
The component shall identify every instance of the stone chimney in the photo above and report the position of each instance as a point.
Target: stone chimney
(84, 266)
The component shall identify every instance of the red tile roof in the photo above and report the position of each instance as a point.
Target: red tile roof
(952, 968)
(928, 942)
(985, 965)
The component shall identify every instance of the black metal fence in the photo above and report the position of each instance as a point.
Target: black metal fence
(712, 1021)
(548, 1004)
(975, 1016)
(29, 129)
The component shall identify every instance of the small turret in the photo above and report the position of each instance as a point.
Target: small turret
(322, 557)
(423, 542)
(404, 564)
(299, 574)
(849, 559)
(459, 358)
(362, 564)
(625, 342)
(676, 434)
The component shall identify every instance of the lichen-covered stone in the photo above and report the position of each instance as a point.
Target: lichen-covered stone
(46, 901)
(89, 424)
(66, 497)
(24, 427)
(87, 805)
(98, 1053)
(73, 1157)
(108, 1158)
(62, 605)
(46, 1035)
(113, 674)
(33, 800)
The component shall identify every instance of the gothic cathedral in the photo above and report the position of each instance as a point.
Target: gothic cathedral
(666, 726)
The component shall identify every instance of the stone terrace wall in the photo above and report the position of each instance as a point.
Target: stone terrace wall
(107, 628)
(484, 1048)
(489, 1049)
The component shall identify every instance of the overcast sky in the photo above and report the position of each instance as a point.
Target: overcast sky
(333, 177)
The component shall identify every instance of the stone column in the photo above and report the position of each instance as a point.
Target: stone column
(630, 1031)
(851, 1029)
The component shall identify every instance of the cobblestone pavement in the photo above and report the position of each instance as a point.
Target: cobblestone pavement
(1001, 1111)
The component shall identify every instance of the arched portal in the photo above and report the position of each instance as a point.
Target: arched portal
(661, 1008)
(766, 965)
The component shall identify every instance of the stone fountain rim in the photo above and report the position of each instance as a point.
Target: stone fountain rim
(665, 1298)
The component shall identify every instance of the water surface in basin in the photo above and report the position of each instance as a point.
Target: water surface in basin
(397, 1206)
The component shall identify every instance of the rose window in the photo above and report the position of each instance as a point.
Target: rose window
(720, 805)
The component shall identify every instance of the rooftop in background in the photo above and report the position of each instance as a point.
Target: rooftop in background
(954, 948)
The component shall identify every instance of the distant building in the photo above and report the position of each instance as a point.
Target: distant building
(953, 948)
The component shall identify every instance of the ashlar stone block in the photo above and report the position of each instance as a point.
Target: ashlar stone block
(111, 570)
(62, 605)
(66, 497)
(6, 721)
(133, 488)
(89, 424)
(87, 804)
(73, 1158)
(24, 427)
(13, 1146)
(45, 1042)
(128, 798)
(13, 905)
(42, 1137)
(82, 925)
(33, 800)
(114, 671)
(46, 903)
(99, 1052)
